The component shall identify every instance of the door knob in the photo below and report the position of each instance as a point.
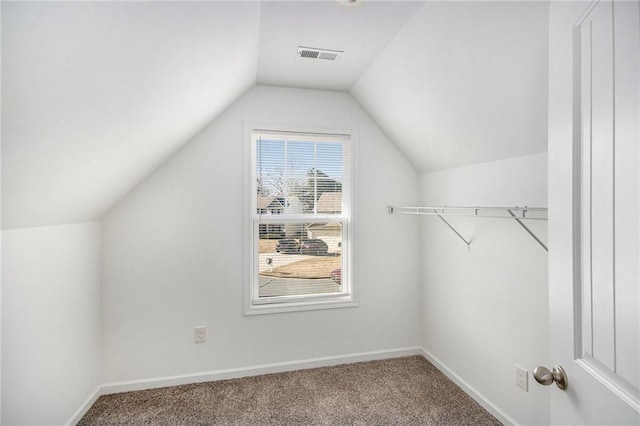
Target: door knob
(546, 377)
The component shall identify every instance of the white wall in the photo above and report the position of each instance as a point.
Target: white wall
(51, 329)
(485, 309)
(173, 254)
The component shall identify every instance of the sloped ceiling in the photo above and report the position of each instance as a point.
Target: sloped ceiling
(463, 83)
(96, 95)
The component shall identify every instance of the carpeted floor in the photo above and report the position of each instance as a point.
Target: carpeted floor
(401, 391)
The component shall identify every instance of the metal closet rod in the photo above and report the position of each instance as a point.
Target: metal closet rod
(516, 213)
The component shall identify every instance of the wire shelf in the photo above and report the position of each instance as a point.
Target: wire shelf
(516, 213)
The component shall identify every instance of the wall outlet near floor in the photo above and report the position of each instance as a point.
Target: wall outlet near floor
(200, 334)
(522, 378)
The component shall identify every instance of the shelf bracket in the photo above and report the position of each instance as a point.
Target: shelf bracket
(529, 231)
(468, 243)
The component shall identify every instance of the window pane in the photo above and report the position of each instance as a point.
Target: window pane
(306, 258)
(301, 161)
(269, 175)
(329, 159)
(328, 177)
(292, 176)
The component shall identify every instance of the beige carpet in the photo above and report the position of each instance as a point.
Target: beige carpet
(401, 391)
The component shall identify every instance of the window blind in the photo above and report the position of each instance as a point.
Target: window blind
(298, 174)
(301, 208)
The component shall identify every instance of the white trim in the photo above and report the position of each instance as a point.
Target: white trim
(80, 412)
(278, 367)
(308, 305)
(469, 390)
(247, 229)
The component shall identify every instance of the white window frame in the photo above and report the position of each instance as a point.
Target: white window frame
(253, 304)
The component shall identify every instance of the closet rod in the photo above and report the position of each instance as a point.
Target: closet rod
(460, 211)
(516, 213)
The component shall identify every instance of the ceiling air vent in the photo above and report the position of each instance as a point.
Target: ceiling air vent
(324, 54)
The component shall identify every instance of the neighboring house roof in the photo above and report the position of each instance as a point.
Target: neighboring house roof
(270, 202)
(330, 202)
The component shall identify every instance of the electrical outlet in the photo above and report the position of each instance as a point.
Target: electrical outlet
(200, 334)
(522, 378)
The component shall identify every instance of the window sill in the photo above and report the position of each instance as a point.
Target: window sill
(296, 306)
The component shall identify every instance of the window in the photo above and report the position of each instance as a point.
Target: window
(300, 221)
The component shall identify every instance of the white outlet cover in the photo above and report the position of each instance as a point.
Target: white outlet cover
(522, 378)
(200, 334)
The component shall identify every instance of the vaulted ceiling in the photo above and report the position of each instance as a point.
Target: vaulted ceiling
(463, 83)
(96, 95)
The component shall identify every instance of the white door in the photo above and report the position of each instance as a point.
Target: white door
(594, 219)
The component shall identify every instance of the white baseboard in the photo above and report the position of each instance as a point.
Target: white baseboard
(75, 418)
(470, 390)
(233, 373)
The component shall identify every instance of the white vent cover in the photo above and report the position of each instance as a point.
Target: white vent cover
(315, 53)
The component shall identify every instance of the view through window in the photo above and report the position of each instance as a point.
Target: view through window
(300, 215)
